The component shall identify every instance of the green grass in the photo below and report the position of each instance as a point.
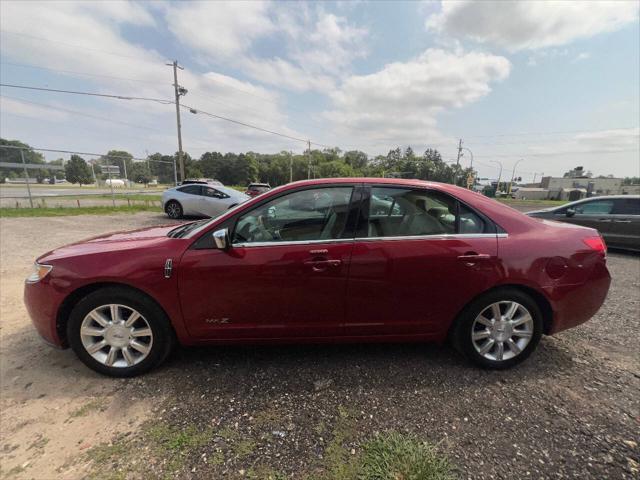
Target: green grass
(134, 197)
(92, 406)
(66, 211)
(394, 456)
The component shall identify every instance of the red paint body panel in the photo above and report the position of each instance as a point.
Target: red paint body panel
(408, 289)
(264, 291)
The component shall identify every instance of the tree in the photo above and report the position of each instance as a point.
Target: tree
(140, 173)
(77, 171)
(122, 159)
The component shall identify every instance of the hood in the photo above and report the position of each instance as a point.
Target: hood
(543, 210)
(134, 239)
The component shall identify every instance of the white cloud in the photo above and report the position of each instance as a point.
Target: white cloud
(400, 102)
(221, 30)
(515, 25)
(582, 56)
(25, 109)
(317, 45)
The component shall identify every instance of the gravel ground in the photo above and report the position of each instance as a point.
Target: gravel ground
(571, 411)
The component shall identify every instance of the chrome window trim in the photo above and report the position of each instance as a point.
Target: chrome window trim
(372, 239)
(291, 242)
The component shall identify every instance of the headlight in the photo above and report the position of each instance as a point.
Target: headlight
(39, 272)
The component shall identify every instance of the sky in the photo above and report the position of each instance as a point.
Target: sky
(551, 84)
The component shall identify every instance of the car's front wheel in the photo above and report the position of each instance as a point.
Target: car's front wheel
(499, 329)
(173, 209)
(119, 332)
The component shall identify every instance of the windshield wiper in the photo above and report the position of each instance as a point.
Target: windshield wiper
(182, 230)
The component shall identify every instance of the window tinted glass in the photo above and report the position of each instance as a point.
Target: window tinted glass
(627, 206)
(191, 189)
(471, 222)
(397, 212)
(212, 192)
(315, 214)
(597, 207)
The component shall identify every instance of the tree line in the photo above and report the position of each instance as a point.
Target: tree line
(243, 168)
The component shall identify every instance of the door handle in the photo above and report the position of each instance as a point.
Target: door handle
(605, 220)
(471, 258)
(622, 221)
(321, 265)
(474, 256)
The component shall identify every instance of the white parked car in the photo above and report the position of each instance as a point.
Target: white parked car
(200, 200)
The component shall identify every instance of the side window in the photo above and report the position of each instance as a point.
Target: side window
(395, 212)
(314, 214)
(597, 207)
(627, 206)
(191, 189)
(471, 222)
(213, 193)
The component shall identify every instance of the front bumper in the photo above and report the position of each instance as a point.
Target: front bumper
(43, 302)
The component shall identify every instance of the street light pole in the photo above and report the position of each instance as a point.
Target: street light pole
(499, 174)
(513, 174)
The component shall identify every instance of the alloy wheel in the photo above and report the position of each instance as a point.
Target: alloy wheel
(173, 210)
(502, 330)
(116, 335)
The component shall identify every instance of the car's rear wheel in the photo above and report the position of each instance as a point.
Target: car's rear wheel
(499, 329)
(119, 333)
(173, 209)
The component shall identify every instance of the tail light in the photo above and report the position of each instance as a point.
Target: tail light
(596, 243)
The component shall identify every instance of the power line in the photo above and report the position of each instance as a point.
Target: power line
(565, 132)
(48, 40)
(73, 72)
(105, 155)
(76, 112)
(91, 94)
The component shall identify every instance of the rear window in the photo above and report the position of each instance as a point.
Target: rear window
(627, 206)
(397, 212)
(191, 189)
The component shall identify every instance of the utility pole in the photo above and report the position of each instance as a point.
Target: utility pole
(290, 166)
(179, 91)
(308, 159)
(459, 152)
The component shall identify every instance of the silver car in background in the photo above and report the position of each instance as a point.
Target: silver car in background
(201, 200)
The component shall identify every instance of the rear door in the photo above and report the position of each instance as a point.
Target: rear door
(213, 202)
(418, 258)
(596, 213)
(625, 224)
(190, 199)
(285, 274)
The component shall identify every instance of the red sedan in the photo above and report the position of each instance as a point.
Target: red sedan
(333, 260)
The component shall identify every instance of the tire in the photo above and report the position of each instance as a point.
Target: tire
(173, 209)
(150, 332)
(474, 330)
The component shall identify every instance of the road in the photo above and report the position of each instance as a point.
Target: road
(21, 192)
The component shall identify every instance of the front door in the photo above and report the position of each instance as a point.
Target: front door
(285, 274)
(419, 259)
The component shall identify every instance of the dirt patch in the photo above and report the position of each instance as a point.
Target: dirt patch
(52, 408)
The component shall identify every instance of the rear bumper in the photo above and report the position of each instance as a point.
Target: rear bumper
(575, 304)
(42, 302)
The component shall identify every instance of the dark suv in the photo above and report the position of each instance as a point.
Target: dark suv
(617, 218)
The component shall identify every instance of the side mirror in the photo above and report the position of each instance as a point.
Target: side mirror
(221, 239)
(570, 212)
